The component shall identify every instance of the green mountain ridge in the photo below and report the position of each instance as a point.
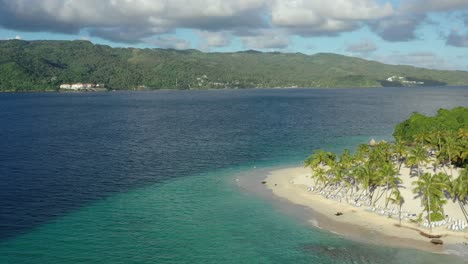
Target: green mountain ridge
(45, 65)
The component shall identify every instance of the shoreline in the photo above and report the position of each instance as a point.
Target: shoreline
(204, 89)
(356, 223)
(251, 88)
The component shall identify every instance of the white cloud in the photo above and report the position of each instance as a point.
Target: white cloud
(457, 39)
(398, 28)
(17, 37)
(323, 17)
(129, 20)
(217, 21)
(411, 14)
(214, 39)
(424, 6)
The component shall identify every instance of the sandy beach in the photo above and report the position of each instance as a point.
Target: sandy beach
(295, 184)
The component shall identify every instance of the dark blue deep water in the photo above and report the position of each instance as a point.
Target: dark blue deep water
(123, 177)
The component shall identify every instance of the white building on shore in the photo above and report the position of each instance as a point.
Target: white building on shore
(77, 86)
(81, 86)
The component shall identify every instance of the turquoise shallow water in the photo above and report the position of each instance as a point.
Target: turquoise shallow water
(200, 219)
(149, 177)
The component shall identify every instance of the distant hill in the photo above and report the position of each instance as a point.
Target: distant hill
(45, 65)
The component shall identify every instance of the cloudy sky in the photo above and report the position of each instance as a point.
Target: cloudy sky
(427, 33)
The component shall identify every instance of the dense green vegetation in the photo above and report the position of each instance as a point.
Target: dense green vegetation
(440, 142)
(446, 121)
(44, 65)
(444, 132)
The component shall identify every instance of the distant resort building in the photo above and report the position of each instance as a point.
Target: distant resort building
(395, 78)
(80, 86)
(403, 80)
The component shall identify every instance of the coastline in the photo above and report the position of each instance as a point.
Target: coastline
(202, 89)
(356, 223)
(250, 88)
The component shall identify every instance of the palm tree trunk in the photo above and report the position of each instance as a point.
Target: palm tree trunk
(360, 195)
(370, 194)
(380, 196)
(450, 164)
(443, 167)
(429, 211)
(399, 214)
(316, 183)
(465, 214)
(440, 144)
(386, 195)
(350, 195)
(419, 174)
(341, 188)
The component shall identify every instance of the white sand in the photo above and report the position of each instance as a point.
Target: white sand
(293, 183)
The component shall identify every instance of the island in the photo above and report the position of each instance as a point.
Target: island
(411, 191)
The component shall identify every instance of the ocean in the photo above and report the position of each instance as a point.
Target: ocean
(148, 177)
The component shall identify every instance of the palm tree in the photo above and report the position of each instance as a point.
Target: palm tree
(337, 170)
(459, 190)
(436, 163)
(451, 149)
(430, 189)
(398, 199)
(421, 138)
(350, 183)
(320, 157)
(383, 151)
(463, 145)
(362, 153)
(367, 175)
(417, 156)
(435, 138)
(316, 162)
(346, 159)
(462, 133)
(401, 151)
(390, 176)
(321, 176)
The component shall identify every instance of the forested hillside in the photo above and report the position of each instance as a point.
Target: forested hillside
(45, 65)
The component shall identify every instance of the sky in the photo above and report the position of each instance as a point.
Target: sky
(422, 33)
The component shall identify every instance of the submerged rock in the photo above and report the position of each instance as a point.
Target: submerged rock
(351, 254)
(429, 235)
(437, 241)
